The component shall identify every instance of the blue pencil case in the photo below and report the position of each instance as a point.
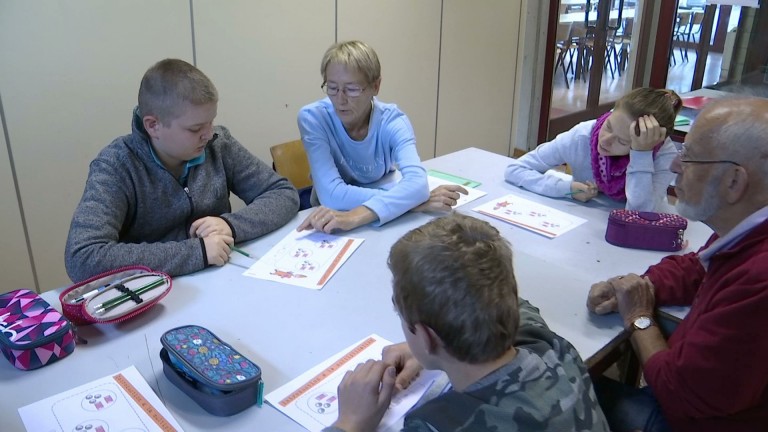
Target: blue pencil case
(210, 371)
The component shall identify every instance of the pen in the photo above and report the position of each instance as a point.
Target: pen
(574, 193)
(92, 293)
(109, 304)
(105, 287)
(240, 251)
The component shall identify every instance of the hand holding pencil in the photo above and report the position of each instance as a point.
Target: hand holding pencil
(583, 191)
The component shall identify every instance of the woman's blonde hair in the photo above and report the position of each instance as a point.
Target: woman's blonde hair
(356, 55)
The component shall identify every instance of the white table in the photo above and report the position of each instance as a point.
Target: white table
(287, 329)
(573, 17)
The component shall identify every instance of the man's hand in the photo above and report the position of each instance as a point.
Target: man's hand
(328, 220)
(583, 191)
(217, 248)
(364, 396)
(441, 198)
(406, 365)
(645, 133)
(209, 225)
(635, 297)
(602, 297)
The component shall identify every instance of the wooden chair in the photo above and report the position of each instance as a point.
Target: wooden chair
(290, 161)
(562, 47)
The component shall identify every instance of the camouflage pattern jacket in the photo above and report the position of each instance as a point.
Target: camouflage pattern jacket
(545, 388)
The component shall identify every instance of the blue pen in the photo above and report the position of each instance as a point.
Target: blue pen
(92, 293)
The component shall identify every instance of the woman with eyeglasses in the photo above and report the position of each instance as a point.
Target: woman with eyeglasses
(625, 154)
(362, 152)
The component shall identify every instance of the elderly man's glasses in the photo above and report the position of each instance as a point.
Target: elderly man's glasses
(683, 155)
(349, 91)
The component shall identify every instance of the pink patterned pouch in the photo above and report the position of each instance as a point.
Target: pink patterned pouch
(646, 230)
(32, 333)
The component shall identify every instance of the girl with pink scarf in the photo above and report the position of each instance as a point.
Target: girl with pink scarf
(625, 154)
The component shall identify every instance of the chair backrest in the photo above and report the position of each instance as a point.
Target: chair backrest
(290, 161)
(563, 32)
(698, 17)
(683, 19)
(628, 24)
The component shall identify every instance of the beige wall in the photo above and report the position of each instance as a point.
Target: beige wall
(406, 38)
(15, 265)
(477, 75)
(71, 69)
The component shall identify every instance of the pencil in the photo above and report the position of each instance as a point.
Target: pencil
(109, 304)
(240, 251)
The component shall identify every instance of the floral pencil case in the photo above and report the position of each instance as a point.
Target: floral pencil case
(114, 296)
(210, 371)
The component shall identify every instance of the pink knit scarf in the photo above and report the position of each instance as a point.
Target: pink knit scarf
(610, 172)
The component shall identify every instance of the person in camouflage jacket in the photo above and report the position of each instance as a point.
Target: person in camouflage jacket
(455, 291)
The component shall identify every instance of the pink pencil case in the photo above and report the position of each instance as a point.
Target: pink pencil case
(114, 296)
(646, 230)
(32, 332)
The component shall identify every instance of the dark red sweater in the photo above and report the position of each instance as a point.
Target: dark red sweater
(714, 376)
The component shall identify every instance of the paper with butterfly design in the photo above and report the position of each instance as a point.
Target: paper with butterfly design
(532, 216)
(305, 259)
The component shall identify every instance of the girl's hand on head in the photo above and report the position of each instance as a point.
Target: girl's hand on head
(583, 191)
(645, 133)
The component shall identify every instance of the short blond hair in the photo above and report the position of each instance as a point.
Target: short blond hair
(169, 85)
(356, 55)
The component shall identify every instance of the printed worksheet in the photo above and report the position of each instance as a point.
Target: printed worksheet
(311, 399)
(463, 199)
(119, 402)
(307, 259)
(532, 216)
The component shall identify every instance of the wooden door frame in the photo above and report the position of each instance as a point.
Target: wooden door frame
(665, 28)
(548, 129)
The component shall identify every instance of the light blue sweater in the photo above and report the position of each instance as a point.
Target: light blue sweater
(345, 172)
(647, 177)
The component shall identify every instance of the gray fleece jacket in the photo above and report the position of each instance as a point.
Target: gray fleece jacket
(134, 212)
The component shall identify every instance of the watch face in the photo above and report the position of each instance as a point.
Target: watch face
(642, 323)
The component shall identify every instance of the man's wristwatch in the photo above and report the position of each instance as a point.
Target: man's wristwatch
(641, 323)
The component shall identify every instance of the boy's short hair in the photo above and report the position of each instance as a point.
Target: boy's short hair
(455, 276)
(355, 55)
(169, 85)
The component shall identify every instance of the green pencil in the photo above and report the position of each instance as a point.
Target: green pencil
(240, 251)
(117, 301)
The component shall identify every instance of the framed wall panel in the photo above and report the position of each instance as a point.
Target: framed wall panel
(264, 58)
(478, 63)
(69, 78)
(406, 37)
(16, 266)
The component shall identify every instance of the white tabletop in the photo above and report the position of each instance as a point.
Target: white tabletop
(287, 330)
(573, 17)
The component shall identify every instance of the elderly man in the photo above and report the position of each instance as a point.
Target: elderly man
(712, 373)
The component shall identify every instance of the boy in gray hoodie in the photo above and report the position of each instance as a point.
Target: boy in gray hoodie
(159, 197)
